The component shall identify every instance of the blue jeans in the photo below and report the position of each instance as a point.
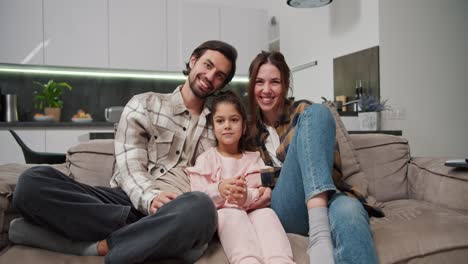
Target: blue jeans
(307, 172)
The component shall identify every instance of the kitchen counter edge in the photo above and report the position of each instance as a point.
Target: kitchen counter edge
(36, 124)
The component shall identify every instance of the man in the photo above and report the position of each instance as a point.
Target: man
(150, 212)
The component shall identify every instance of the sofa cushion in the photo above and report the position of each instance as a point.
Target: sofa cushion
(384, 159)
(413, 230)
(430, 180)
(92, 162)
(213, 255)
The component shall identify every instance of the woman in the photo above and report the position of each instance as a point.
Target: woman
(299, 137)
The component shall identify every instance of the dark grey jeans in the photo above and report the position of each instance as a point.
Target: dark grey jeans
(80, 212)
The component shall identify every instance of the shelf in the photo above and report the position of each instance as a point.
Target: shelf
(348, 113)
(388, 132)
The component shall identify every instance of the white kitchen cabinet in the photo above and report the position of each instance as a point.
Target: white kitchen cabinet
(57, 140)
(189, 25)
(247, 30)
(21, 32)
(137, 34)
(144, 35)
(10, 151)
(60, 140)
(76, 33)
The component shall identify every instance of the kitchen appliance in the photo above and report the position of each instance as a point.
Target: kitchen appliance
(113, 113)
(9, 107)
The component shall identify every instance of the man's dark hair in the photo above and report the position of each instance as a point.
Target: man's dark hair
(222, 47)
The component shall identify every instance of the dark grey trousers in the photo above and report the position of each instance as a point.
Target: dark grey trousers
(50, 199)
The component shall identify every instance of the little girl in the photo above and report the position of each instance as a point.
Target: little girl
(230, 175)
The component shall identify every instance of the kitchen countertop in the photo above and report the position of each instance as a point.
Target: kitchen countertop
(40, 124)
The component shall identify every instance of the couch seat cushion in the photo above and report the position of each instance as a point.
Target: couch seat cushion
(213, 255)
(414, 229)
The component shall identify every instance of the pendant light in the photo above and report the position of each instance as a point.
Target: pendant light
(308, 3)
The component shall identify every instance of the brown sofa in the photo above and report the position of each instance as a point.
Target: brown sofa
(426, 203)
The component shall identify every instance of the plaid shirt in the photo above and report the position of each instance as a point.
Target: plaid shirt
(149, 142)
(285, 129)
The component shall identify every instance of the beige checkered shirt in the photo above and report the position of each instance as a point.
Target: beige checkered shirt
(149, 142)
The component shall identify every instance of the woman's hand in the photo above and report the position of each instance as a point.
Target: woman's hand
(264, 200)
(161, 199)
(234, 190)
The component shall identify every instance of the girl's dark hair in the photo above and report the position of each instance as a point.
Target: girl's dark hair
(222, 47)
(230, 97)
(277, 59)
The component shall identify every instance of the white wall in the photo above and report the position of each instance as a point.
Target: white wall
(321, 34)
(424, 62)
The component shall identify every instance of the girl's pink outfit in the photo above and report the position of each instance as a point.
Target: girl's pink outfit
(255, 237)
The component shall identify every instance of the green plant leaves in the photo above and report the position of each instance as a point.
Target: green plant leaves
(49, 94)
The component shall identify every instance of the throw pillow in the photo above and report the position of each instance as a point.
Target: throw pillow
(92, 162)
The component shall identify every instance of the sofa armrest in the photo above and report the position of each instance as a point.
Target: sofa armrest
(431, 181)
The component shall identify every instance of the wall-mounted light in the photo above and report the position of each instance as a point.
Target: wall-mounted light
(308, 3)
(94, 72)
(304, 66)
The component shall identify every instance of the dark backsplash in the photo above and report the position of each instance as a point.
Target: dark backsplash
(92, 94)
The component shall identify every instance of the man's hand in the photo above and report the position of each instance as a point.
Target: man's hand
(263, 201)
(234, 190)
(161, 199)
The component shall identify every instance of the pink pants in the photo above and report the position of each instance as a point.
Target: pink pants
(257, 237)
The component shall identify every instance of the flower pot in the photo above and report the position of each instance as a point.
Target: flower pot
(54, 112)
(369, 121)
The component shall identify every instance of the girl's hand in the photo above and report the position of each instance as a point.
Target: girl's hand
(234, 190)
(264, 200)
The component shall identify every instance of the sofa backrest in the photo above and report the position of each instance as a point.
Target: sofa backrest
(92, 162)
(384, 159)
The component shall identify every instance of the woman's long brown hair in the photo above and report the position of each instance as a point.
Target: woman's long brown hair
(277, 59)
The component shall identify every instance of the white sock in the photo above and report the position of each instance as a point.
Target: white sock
(25, 233)
(320, 248)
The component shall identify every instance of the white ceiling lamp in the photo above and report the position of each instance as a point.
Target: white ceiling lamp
(308, 3)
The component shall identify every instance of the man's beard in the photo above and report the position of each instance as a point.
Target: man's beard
(198, 93)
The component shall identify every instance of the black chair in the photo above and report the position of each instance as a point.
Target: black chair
(34, 157)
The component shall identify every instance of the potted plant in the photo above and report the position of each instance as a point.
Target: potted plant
(48, 97)
(369, 116)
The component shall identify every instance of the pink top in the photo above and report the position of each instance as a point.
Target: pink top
(211, 167)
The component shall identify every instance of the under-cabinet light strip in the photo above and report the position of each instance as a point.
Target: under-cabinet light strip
(110, 74)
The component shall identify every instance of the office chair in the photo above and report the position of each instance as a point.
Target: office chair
(34, 157)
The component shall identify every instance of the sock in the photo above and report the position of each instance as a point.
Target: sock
(320, 248)
(25, 233)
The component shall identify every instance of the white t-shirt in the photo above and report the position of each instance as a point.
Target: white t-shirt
(272, 143)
